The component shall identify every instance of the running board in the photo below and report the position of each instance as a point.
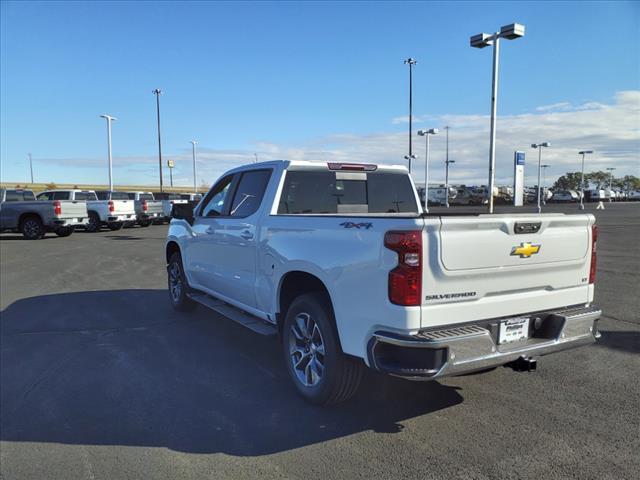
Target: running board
(253, 323)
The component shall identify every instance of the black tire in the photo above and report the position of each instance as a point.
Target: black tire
(328, 376)
(94, 223)
(177, 285)
(144, 223)
(114, 226)
(32, 228)
(64, 231)
(129, 224)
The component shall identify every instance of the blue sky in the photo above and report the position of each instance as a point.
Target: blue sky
(309, 80)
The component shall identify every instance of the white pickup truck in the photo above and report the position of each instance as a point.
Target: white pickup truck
(342, 264)
(106, 211)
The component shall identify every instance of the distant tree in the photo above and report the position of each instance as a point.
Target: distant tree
(568, 181)
(51, 186)
(598, 179)
(18, 186)
(628, 182)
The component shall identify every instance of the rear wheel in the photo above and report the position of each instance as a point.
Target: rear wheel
(113, 226)
(144, 223)
(64, 231)
(94, 223)
(321, 373)
(178, 286)
(32, 228)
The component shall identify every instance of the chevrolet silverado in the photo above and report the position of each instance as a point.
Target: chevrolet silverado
(340, 262)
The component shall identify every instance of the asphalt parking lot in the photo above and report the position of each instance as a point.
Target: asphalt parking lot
(101, 379)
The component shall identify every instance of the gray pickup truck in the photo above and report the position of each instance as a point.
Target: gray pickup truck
(20, 212)
(148, 209)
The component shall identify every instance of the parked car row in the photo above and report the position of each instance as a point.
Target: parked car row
(62, 211)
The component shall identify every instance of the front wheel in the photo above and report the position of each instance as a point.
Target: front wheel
(178, 286)
(321, 373)
(64, 231)
(113, 226)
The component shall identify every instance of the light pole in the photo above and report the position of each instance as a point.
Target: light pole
(411, 62)
(193, 153)
(426, 134)
(611, 169)
(544, 167)
(446, 182)
(109, 120)
(157, 92)
(31, 168)
(539, 147)
(583, 153)
(510, 32)
(255, 155)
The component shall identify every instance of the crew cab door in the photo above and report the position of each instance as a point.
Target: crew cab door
(222, 256)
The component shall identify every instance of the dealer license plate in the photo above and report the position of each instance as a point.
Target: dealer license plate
(513, 330)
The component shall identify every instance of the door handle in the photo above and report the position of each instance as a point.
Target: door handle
(246, 234)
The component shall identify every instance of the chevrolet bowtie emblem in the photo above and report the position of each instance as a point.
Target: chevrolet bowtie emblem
(525, 250)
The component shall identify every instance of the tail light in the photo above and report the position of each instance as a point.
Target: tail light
(405, 281)
(57, 207)
(145, 207)
(594, 240)
(111, 207)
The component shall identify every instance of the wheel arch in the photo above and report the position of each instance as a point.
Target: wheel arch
(298, 282)
(25, 215)
(171, 248)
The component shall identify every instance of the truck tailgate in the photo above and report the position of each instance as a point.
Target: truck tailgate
(491, 266)
(73, 209)
(123, 207)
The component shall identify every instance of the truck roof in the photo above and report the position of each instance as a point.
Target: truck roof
(313, 165)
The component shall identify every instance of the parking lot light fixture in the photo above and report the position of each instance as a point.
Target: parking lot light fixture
(482, 40)
(446, 182)
(411, 62)
(157, 92)
(539, 147)
(31, 167)
(610, 169)
(193, 153)
(427, 134)
(109, 119)
(583, 153)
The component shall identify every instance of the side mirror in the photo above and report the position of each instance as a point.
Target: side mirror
(184, 211)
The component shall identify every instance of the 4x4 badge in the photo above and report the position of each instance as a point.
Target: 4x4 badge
(525, 250)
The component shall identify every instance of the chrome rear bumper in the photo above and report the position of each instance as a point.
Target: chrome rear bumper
(455, 350)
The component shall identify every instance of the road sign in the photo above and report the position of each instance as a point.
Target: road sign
(170, 163)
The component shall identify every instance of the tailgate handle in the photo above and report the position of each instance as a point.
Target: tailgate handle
(527, 227)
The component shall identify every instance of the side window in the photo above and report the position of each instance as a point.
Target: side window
(60, 196)
(100, 195)
(13, 196)
(45, 196)
(132, 196)
(249, 193)
(28, 195)
(214, 203)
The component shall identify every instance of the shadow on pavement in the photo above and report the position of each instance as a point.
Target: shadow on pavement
(122, 368)
(623, 340)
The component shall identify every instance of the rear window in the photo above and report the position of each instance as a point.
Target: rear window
(309, 192)
(146, 196)
(119, 196)
(101, 195)
(85, 196)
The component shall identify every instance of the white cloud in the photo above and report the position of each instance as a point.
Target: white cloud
(612, 130)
